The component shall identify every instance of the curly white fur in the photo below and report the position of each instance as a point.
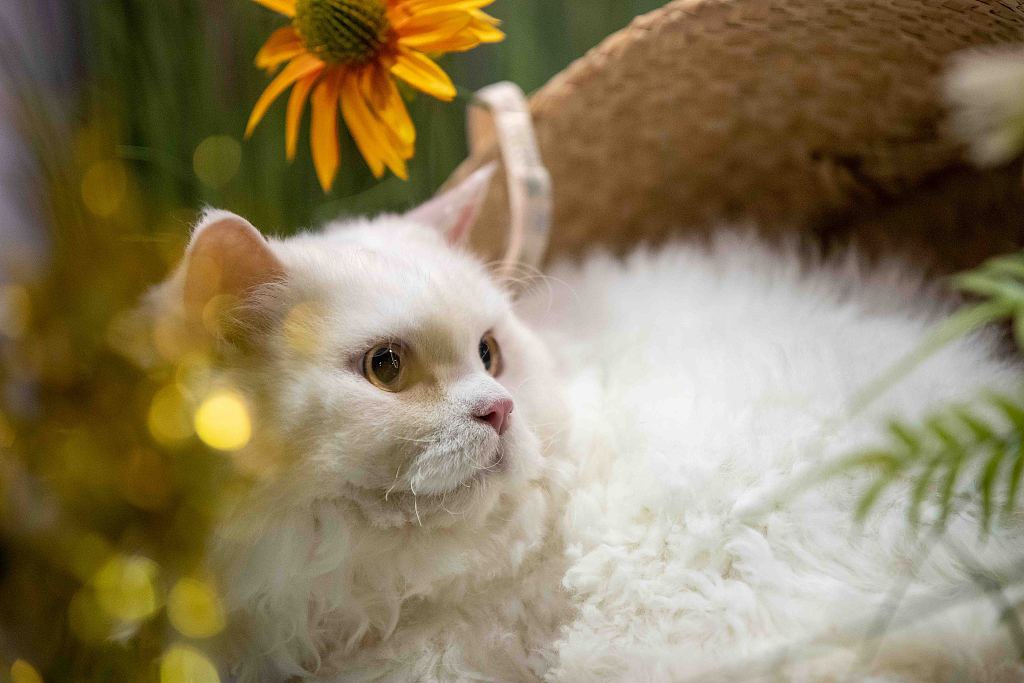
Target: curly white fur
(700, 381)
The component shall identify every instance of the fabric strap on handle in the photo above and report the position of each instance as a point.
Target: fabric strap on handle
(505, 113)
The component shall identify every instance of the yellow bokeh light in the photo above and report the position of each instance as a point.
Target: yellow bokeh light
(217, 160)
(184, 664)
(194, 609)
(222, 421)
(15, 310)
(104, 186)
(168, 417)
(23, 672)
(194, 373)
(126, 587)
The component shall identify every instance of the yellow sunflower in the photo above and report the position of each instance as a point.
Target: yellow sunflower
(347, 51)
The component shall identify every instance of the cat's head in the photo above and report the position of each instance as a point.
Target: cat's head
(384, 366)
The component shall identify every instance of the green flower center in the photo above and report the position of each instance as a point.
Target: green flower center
(342, 31)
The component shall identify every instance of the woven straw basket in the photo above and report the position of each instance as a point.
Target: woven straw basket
(816, 117)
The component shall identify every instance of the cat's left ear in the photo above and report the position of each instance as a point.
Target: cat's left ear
(227, 256)
(453, 213)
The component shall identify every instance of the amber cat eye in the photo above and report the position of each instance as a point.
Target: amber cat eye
(384, 366)
(490, 354)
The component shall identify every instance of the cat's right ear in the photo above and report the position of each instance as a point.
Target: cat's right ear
(226, 258)
(453, 212)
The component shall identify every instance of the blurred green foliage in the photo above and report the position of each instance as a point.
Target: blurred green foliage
(960, 457)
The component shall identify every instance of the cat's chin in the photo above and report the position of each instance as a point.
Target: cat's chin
(467, 502)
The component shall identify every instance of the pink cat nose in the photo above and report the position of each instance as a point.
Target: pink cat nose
(496, 414)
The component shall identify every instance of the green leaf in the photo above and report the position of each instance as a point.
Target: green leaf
(988, 478)
(949, 486)
(871, 496)
(1013, 412)
(991, 287)
(905, 435)
(1018, 327)
(961, 323)
(1011, 265)
(981, 431)
(936, 425)
(887, 461)
(921, 488)
(1013, 487)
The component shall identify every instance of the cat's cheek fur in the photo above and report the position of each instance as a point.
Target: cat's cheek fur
(381, 524)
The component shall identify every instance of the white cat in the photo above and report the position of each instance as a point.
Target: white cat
(455, 486)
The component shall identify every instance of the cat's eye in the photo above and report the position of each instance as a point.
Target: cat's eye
(490, 354)
(384, 366)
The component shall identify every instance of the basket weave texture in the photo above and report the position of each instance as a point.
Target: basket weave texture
(820, 117)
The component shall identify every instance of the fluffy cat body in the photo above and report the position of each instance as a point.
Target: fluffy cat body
(734, 376)
(605, 535)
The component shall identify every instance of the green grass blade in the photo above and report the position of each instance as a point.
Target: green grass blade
(990, 286)
(1010, 266)
(871, 496)
(959, 324)
(987, 483)
(921, 489)
(981, 432)
(1013, 412)
(949, 486)
(1013, 485)
(905, 435)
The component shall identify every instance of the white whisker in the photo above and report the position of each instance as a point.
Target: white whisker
(393, 483)
(415, 505)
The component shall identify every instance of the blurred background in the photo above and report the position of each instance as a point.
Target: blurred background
(162, 90)
(119, 120)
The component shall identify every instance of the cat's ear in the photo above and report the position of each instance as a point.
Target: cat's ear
(226, 257)
(453, 213)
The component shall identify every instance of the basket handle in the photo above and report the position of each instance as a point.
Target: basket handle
(502, 110)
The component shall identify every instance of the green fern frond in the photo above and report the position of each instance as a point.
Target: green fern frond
(984, 441)
(936, 457)
(999, 283)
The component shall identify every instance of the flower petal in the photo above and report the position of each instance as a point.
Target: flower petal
(460, 42)
(422, 73)
(293, 118)
(285, 7)
(283, 44)
(487, 35)
(485, 27)
(417, 6)
(301, 66)
(369, 132)
(380, 91)
(360, 124)
(444, 22)
(424, 31)
(485, 17)
(323, 130)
